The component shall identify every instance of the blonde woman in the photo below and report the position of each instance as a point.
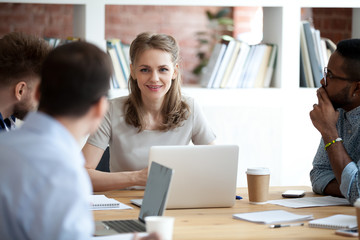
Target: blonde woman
(154, 113)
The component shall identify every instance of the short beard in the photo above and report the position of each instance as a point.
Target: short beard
(20, 113)
(341, 99)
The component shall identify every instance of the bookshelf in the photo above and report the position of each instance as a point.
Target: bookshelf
(272, 126)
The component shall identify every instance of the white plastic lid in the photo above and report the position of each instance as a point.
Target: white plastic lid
(258, 171)
(357, 203)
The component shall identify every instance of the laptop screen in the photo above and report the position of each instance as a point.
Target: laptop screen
(156, 191)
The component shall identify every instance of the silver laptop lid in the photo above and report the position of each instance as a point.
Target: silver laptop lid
(206, 175)
(156, 191)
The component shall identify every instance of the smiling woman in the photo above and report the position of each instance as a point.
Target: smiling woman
(154, 113)
(155, 79)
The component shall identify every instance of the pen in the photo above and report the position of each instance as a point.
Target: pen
(286, 225)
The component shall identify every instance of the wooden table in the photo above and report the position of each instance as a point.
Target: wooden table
(217, 223)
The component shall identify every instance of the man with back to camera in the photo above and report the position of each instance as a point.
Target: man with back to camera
(21, 57)
(44, 185)
(337, 117)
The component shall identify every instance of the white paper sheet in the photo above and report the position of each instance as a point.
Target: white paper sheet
(273, 216)
(122, 236)
(311, 202)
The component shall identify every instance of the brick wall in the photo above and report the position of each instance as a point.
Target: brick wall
(125, 22)
(333, 23)
(45, 20)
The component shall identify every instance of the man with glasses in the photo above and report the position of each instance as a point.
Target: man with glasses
(337, 117)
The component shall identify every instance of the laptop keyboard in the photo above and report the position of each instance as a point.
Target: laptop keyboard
(126, 226)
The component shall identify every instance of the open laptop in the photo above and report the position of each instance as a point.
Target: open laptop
(205, 175)
(155, 198)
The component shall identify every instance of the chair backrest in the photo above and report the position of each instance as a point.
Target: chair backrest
(104, 161)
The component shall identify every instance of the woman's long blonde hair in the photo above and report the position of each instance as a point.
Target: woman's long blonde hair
(174, 110)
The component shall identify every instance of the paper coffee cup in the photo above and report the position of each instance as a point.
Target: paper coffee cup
(258, 185)
(357, 207)
(161, 225)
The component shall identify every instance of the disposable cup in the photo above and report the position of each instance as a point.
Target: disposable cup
(161, 225)
(258, 184)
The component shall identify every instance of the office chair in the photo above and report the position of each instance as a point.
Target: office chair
(104, 161)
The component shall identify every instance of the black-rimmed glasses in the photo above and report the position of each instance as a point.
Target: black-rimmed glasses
(328, 75)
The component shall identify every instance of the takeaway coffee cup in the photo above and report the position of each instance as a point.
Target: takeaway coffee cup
(258, 184)
(357, 207)
(162, 225)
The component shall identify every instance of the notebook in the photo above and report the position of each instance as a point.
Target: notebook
(155, 198)
(337, 221)
(205, 175)
(101, 202)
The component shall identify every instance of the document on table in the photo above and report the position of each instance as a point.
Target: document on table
(310, 202)
(121, 236)
(101, 202)
(273, 216)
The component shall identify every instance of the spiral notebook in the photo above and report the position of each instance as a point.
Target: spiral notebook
(101, 202)
(338, 221)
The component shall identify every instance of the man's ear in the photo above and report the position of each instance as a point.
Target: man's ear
(20, 89)
(357, 89)
(100, 107)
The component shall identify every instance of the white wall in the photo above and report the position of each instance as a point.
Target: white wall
(276, 132)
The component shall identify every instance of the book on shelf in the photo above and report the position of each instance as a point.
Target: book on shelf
(271, 66)
(303, 82)
(264, 61)
(240, 65)
(54, 42)
(315, 52)
(124, 63)
(126, 51)
(230, 65)
(118, 79)
(247, 63)
(338, 221)
(305, 60)
(253, 66)
(224, 63)
(209, 72)
(260, 66)
(315, 65)
(120, 59)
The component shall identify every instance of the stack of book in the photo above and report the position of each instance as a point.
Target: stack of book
(54, 42)
(314, 55)
(119, 54)
(239, 65)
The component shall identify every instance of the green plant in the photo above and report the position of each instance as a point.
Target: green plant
(220, 26)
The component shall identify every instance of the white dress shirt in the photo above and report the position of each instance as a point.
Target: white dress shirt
(44, 186)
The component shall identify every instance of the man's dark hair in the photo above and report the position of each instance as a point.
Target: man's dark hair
(21, 56)
(74, 77)
(349, 49)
